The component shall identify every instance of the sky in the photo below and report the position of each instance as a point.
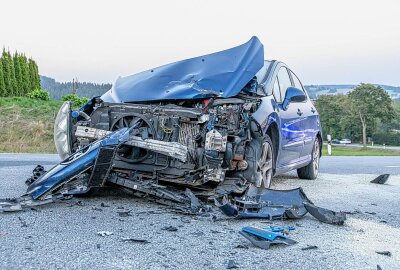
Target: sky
(324, 42)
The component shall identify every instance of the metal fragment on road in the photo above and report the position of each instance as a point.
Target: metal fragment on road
(104, 233)
(381, 179)
(170, 228)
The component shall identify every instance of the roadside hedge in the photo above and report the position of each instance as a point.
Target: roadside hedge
(386, 138)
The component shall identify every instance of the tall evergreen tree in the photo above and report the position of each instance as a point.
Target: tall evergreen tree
(18, 73)
(2, 83)
(26, 84)
(37, 76)
(7, 73)
(12, 76)
(32, 74)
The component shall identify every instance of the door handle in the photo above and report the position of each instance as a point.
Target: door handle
(299, 112)
(313, 110)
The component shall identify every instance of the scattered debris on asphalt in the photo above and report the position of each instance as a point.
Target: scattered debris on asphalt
(104, 205)
(232, 265)
(381, 179)
(124, 213)
(308, 247)
(170, 228)
(264, 238)
(326, 215)
(23, 222)
(135, 240)
(378, 267)
(242, 246)
(277, 204)
(97, 209)
(104, 233)
(386, 253)
(2, 233)
(370, 213)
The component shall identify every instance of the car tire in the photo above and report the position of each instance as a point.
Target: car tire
(265, 164)
(310, 171)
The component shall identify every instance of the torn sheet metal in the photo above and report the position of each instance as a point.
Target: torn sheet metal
(220, 74)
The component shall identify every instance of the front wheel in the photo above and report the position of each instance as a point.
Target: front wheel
(265, 164)
(311, 170)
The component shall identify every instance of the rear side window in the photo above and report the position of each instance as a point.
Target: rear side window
(284, 81)
(296, 82)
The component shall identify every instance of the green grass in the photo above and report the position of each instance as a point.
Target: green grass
(26, 125)
(359, 151)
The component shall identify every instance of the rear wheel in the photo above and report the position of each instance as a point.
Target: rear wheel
(311, 170)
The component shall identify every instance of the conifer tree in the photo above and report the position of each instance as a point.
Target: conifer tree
(25, 75)
(6, 73)
(12, 76)
(2, 83)
(18, 73)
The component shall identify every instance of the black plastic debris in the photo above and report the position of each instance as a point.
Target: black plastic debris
(124, 213)
(134, 240)
(170, 228)
(309, 247)
(378, 267)
(386, 253)
(381, 179)
(276, 204)
(232, 265)
(326, 215)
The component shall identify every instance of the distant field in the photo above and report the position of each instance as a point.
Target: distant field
(26, 125)
(359, 151)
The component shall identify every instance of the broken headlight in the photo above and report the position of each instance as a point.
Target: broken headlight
(62, 130)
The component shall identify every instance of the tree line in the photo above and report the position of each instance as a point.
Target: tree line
(19, 75)
(83, 89)
(366, 112)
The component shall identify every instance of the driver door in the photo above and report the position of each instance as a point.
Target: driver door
(290, 122)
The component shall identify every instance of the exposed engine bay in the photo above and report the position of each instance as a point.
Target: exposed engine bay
(195, 143)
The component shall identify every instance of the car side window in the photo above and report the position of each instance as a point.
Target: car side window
(296, 81)
(284, 81)
(276, 92)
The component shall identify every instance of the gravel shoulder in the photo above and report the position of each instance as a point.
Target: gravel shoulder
(64, 235)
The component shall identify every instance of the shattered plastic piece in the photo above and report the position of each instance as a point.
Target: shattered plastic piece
(134, 240)
(381, 179)
(232, 264)
(126, 213)
(386, 253)
(263, 238)
(170, 228)
(326, 215)
(105, 233)
(308, 247)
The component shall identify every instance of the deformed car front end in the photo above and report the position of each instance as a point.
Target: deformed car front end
(204, 127)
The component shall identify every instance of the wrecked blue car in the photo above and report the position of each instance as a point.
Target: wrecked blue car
(211, 125)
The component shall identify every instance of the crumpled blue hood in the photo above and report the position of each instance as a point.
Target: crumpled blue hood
(220, 74)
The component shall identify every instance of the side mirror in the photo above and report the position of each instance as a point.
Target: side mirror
(293, 94)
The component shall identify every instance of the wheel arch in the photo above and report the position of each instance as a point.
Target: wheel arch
(273, 133)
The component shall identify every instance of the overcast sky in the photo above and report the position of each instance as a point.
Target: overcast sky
(335, 42)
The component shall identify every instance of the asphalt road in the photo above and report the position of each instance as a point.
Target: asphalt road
(64, 235)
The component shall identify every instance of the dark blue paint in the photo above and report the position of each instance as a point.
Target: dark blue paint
(75, 164)
(220, 74)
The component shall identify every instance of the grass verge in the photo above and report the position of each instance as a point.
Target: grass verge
(359, 151)
(26, 125)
